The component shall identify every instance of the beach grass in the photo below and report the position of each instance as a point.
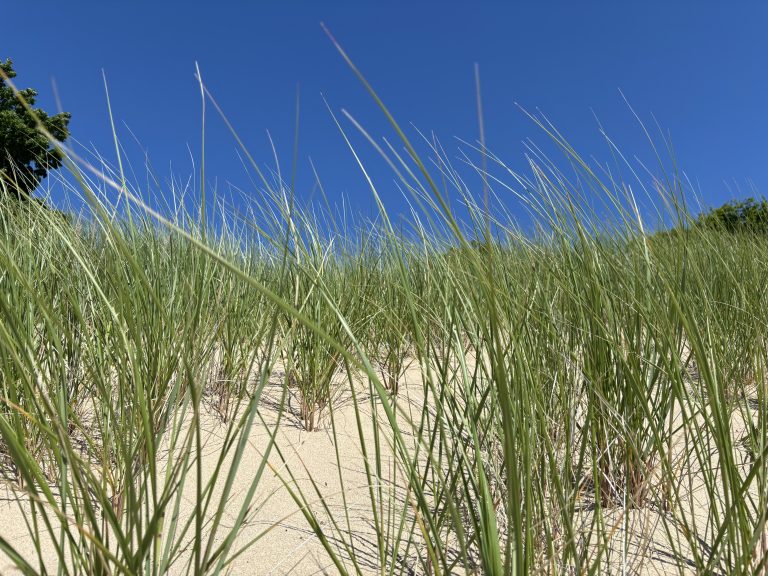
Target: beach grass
(568, 378)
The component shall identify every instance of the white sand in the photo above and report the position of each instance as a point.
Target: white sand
(289, 545)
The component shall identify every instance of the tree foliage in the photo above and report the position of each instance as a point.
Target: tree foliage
(748, 215)
(26, 153)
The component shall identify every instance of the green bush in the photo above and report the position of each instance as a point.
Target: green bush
(749, 216)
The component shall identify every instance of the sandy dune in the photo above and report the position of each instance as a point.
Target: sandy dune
(286, 543)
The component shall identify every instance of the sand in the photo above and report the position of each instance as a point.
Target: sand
(287, 545)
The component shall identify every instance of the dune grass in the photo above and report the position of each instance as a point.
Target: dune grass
(569, 378)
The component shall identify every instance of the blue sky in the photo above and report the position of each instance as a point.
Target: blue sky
(698, 67)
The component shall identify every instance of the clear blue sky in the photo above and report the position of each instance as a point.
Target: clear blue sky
(699, 67)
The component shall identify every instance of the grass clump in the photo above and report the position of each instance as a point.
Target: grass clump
(572, 394)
